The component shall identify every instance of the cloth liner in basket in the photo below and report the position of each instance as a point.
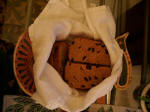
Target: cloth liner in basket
(59, 19)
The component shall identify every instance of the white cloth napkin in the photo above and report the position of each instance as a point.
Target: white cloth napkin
(59, 19)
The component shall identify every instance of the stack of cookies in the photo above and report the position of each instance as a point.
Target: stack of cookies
(86, 64)
(58, 56)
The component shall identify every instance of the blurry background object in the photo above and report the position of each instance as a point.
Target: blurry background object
(119, 9)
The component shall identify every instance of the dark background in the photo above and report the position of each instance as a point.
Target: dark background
(135, 26)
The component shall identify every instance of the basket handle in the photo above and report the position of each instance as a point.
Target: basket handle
(125, 78)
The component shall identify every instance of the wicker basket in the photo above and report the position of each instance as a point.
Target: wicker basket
(23, 64)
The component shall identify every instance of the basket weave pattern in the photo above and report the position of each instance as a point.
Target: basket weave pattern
(23, 64)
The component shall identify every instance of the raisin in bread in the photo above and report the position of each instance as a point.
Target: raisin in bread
(91, 51)
(88, 64)
(85, 76)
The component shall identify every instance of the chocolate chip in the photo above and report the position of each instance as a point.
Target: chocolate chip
(83, 86)
(89, 49)
(98, 51)
(73, 42)
(90, 78)
(88, 67)
(93, 49)
(106, 51)
(103, 45)
(79, 47)
(97, 66)
(92, 85)
(85, 78)
(55, 50)
(83, 57)
(96, 78)
(72, 60)
(100, 41)
(98, 44)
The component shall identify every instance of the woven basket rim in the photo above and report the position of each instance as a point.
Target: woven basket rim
(30, 94)
(14, 63)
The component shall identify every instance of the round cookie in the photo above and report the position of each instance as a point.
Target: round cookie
(58, 56)
(90, 51)
(89, 63)
(85, 76)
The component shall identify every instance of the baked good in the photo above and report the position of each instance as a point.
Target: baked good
(79, 76)
(89, 63)
(58, 56)
(88, 50)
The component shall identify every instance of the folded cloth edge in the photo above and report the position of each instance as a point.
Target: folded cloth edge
(93, 89)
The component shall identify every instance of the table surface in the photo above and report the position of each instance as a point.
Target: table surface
(25, 104)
